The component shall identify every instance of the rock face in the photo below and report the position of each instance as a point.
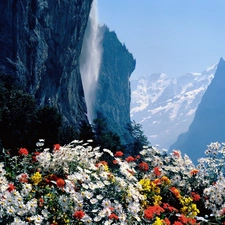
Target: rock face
(209, 123)
(40, 43)
(165, 107)
(113, 88)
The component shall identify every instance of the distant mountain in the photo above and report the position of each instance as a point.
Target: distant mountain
(166, 107)
(209, 121)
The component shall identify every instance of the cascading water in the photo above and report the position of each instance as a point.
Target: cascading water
(90, 59)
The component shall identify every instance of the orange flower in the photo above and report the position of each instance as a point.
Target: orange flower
(165, 180)
(79, 214)
(130, 159)
(166, 221)
(176, 153)
(60, 183)
(118, 154)
(175, 191)
(143, 166)
(194, 172)
(23, 151)
(104, 163)
(56, 147)
(53, 177)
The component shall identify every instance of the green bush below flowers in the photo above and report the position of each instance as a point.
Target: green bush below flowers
(74, 185)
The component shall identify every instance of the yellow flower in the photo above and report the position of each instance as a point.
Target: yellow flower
(145, 183)
(36, 178)
(157, 199)
(158, 221)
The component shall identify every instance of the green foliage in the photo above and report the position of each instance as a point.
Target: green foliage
(86, 132)
(17, 116)
(67, 134)
(49, 122)
(25, 123)
(139, 139)
(103, 136)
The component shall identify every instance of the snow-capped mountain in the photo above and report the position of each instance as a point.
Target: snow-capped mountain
(166, 107)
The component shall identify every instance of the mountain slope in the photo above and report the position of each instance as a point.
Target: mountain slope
(209, 121)
(165, 107)
(113, 93)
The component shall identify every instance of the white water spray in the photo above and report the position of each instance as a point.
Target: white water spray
(90, 59)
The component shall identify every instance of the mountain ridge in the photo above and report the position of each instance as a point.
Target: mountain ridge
(208, 124)
(164, 106)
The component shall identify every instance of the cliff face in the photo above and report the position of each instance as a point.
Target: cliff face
(113, 86)
(208, 124)
(40, 43)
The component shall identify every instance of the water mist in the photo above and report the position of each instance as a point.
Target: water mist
(90, 59)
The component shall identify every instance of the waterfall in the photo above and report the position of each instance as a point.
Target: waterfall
(90, 59)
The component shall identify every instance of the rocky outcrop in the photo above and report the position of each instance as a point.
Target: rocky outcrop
(113, 88)
(40, 43)
(209, 123)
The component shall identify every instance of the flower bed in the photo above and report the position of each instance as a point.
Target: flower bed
(73, 185)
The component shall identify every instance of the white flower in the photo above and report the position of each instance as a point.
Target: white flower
(86, 219)
(10, 210)
(37, 219)
(93, 201)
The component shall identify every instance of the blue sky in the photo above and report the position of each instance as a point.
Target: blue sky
(169, 36)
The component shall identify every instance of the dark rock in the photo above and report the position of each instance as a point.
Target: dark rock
(40, 43)
(113, 89)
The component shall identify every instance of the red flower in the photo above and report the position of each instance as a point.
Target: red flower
(11, 187)
(196, 197)
(130, 159)
(56, 147)
(170, 208)
(79, 214)
(157, 171)
(23, 151)
(151, 211)
(115, 162)
(54, 177)
(60, 183)
(24, 178)
(138, 157)
(113, 216)
(177, 223)
(187, 220)
(118, 154)
(34, 156)
(41, 202)
(143, 166)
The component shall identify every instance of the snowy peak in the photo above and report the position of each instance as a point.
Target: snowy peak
(165, 107)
